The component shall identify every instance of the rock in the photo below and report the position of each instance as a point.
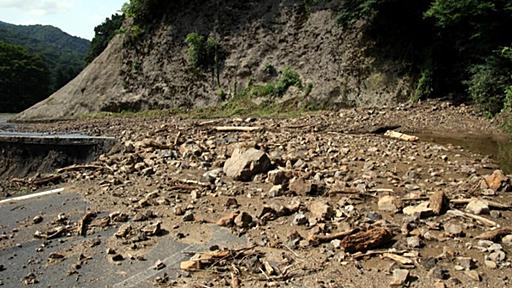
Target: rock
(303, 187)
(336, 243)
(389, 203)
(497, 256)
(228, 219)
(153, 229)
(490, 264)
(473, 275)
(507, 240)
(38, 219)
(477, 206)
(117, 258)
(123, 231)
(439, 273)
(276, 191)
(467, 263)
(300, 219)
(189, 216)
(367, 240)
(439, 284)
(414, 242)
(159, 265)
(278, 177)
(321, 211)
(244, 220)
(243, 165)
(455, 230)
(439, 203)
(497, 181)
(422, 210)
(400, 277)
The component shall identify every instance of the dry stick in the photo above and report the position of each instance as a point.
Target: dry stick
(209, 122)
(490, 203)
(480, 219)
(329, 238)
(80, 167)
(237, 129)
(194, 182)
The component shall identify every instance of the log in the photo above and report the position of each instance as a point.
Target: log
(480, 219)
(238, 129)
(366, 240)
(401, 136)
(439, 203)
(495, 235)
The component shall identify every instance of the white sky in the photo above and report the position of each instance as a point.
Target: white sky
(76, 17)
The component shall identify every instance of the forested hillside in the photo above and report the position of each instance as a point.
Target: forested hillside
(63, 54)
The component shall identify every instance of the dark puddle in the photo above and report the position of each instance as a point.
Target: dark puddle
(498, 149)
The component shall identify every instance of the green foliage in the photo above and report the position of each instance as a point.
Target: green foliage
(24, 78)
(455, 39)
(203, 52)
(277, 88)
(490, 82)
(424, 88)
(144, 11)
(64, 55)
(103, 33)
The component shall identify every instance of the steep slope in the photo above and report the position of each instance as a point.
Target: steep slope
(152, 70)
(64, 54)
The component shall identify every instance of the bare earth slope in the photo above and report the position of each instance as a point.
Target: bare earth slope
(153, 72)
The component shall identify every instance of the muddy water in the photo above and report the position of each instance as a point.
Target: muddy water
(498, 149)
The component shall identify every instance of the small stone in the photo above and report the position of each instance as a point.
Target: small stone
(422, 210)
(321, 211)
(454, 230)
(439, 284)
(400, 277)
(243, 165)
(244, 220)
(159, 265)
(189, 216)
(336, 243)
(300, 219)
(302, 187)
(179, 211)
(477, 206)
(467, 263)
(498, 256)
(439, 202)
(473, 275)
(485, 243)
(439, 273)
(490, 264)
(495, 214)
(38, 219)
(117, 258)
(507, 240)
(414, 242)
(276, 191)
(278, 177)
(389, 203)
(497, 180)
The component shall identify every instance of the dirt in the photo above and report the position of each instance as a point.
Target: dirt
(154, 72)
(160, 171)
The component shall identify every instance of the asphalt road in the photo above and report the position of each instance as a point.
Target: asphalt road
(22, 255)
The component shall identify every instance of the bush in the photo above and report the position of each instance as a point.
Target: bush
(203, 52)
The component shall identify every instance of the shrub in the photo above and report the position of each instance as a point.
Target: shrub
(203, 52)
(424, 88)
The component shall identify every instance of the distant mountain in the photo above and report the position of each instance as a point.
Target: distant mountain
(63, 54)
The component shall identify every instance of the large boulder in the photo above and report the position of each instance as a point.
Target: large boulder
(244, 164)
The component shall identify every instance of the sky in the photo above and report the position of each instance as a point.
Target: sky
(75, 17)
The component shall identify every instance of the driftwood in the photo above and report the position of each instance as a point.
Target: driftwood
(491, 204)
(495, 235)
(439, 203)
(237, 129)
(82, 167)
(401, 136)
(367, 240)
(480, 219)
(398, 258)
(319, 239)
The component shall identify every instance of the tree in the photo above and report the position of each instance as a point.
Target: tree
(103, 33)
(25, 78)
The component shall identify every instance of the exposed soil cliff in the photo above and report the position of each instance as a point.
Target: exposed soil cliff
(153, 72)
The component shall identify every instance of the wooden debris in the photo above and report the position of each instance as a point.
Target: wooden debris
(235, 281)
(401, 136)
(82, 227)
(194, 182)
(398, 258)
(480, 219)
(238, 129)
(363, 241)
(83, 167)
(491, 204)
(495, 235)
(439, 203)
(319, 239)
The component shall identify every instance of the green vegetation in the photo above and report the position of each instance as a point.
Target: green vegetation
(24, 79)
(450, 44)
(103, 33)
(202, 52)
(62, 53)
